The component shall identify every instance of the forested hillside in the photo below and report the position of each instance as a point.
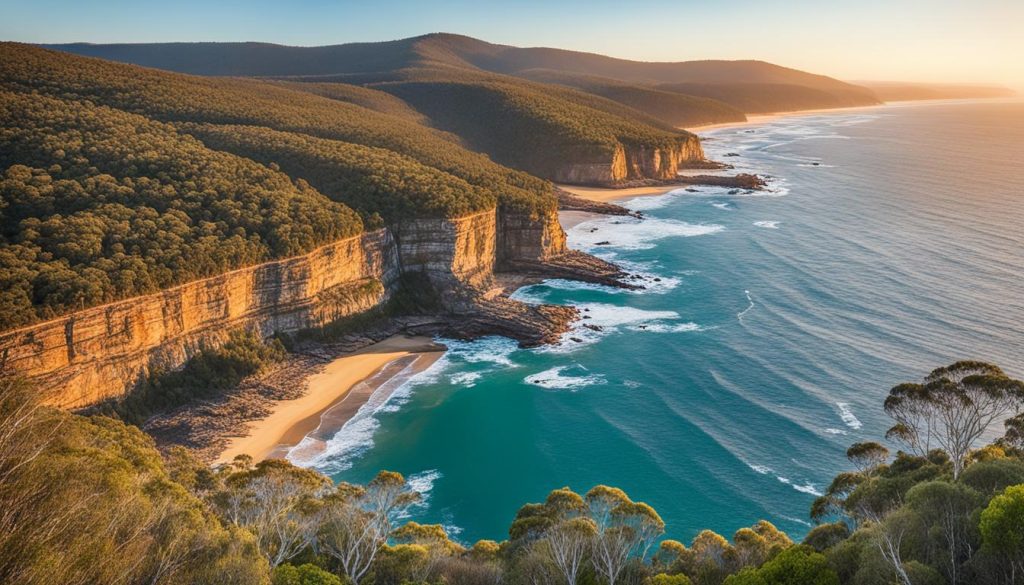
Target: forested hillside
(98, 204)
(670, 107)
(119, 181)
(533, 128)
(945, 510)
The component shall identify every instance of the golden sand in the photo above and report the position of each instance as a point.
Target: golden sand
(291, 420)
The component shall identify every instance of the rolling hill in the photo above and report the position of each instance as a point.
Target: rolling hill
(646, 87)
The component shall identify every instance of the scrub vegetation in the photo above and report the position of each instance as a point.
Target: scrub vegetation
(91, 500)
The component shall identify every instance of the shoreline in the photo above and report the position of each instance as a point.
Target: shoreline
(610, 195)
(336, 391)
(753, 119)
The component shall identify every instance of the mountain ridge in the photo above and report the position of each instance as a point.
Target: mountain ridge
(458, 52)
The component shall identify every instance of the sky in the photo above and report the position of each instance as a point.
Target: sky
(967, 41)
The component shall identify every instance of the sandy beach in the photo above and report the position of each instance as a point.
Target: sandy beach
(605, 194)
(331, 390)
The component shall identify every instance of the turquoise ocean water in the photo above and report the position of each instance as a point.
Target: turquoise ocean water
(891, 242)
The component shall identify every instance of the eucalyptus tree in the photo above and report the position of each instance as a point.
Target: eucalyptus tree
(867, 457)
(277, 502)
(356, 521)
(952, 408)
(567, 532)
(624, 530)
(759, 543)
(568, 543)
(434, 541)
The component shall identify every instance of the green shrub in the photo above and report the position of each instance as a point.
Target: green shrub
(308, 574)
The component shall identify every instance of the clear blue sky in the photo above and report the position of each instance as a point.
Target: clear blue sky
(929, 40)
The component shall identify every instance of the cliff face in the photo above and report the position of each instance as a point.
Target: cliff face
(522, 236)
(85, 357)
(98, 353)
(633, 162)
(450, 250)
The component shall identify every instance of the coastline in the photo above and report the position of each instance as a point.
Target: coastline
(338, 389)
(763, 118)
(610, 195)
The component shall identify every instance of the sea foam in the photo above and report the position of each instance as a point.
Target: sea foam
(632, 233)
(556, 379)
(356, 436)
(847, 415)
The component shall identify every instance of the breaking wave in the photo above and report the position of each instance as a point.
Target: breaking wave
(847, 415)
(556, 379)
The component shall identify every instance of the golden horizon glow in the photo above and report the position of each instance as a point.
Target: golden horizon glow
(931, 41)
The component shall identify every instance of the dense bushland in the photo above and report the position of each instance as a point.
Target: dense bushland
(760, 98)
(97, 204)
(530, 126)
(89, 500)
(672, 108)
(173, 97)
(366, 97)
(108, 191)
(372, 180)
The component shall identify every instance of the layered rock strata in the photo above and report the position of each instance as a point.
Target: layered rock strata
(632, 162)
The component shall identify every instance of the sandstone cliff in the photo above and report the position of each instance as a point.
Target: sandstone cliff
(632, 162)
(86, 357)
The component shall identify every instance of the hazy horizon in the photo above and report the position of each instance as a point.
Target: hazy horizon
(922, 42)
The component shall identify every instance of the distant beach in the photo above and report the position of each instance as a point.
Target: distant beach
(765, 118)
(334, 395)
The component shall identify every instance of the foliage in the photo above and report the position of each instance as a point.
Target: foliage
(275, 501)
(372, 180)
(88, 500)
(666, 579)
(357, 521)
(766, 97)
(952, 408)
(307, 574)
(669, 107)
(97, 205)
(798, 565)
(921, 517)
(529, 126)
(1002, 528)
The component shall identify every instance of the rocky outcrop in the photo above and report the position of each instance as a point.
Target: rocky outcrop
(449, 251)
(528, 236)
(570, 202)
(92, 355)
(740, 181)
(632, 162)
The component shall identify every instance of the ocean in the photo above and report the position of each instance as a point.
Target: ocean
(890, 242)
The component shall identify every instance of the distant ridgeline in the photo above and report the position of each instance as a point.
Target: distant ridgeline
(561, 115)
